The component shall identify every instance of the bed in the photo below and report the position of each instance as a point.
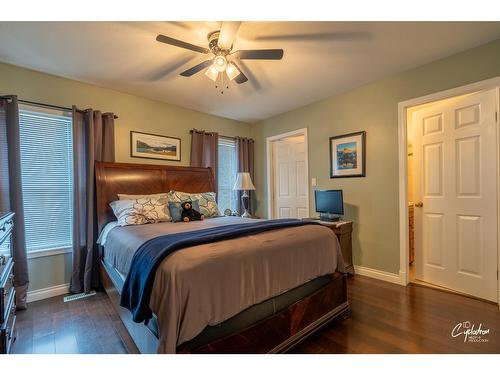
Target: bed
(260, 293)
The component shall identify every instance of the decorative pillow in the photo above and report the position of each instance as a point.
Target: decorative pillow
(140, 211)
(160, 212)
(206, 201)
(139, 196)
(176, 210)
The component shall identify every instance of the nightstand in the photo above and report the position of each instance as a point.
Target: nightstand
(343, 231)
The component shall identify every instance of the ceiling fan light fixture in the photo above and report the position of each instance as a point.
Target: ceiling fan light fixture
(220, 63)
(232, 71)
(212, 73)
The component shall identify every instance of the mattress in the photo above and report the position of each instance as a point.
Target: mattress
(207, 285)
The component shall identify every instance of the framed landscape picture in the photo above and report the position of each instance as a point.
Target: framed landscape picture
(347, 155)
(153, 146)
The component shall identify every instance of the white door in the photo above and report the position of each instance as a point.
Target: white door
(290, 178)
(455, 183)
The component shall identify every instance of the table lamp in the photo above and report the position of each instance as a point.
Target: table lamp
(244, 182)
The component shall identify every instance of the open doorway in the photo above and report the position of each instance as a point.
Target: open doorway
(452, 167)
(288, 175)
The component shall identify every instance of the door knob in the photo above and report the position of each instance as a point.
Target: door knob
(419, 204)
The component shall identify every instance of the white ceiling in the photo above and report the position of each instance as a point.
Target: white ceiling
(321, 58)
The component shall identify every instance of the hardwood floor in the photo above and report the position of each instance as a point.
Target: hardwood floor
(84, 326)
(385, 318)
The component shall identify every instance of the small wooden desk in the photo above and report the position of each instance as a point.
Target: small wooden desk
(343, 231)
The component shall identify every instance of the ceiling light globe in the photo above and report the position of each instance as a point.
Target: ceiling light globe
(212, 73)
(220, 63)
(232, 71)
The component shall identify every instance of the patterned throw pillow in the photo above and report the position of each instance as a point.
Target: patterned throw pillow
(206, 201)
(139, 196)
(141, 211)
(156, 204)
(176, 210)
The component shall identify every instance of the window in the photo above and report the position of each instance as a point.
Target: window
(46, 145)
(227, 170)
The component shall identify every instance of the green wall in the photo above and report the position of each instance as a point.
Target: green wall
(135, 113)
(372, 202)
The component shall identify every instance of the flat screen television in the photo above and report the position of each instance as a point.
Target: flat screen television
(329, 204)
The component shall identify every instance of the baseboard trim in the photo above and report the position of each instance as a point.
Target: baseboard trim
(52, 291)
(380, 275)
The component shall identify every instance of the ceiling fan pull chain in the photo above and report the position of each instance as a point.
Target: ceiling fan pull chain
(222, 82)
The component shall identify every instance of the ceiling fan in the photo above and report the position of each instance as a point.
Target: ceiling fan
(221, 67)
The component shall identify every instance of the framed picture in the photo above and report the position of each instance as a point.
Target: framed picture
(153, 146)
(347, 155)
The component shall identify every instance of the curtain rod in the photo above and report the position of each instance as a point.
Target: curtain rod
(220, 135)
(47, 105)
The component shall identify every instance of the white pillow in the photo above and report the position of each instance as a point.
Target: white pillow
(206, 201)
(141, 211)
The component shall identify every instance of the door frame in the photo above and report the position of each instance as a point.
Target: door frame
(270, 166)
(493, 83)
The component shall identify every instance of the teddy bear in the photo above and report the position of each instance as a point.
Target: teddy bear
(190, 214)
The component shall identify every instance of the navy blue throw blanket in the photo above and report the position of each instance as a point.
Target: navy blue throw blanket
(136, 291)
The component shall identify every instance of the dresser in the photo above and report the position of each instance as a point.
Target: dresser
(343, 231)
(7, 290)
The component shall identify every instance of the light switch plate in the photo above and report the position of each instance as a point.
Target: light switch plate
(313, 181)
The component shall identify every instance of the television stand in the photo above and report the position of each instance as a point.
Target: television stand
(329, 217)
(343, 231)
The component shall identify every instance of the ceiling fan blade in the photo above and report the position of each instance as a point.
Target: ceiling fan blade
(318, 37)
(195, 69)
(179, 43)
(227, 34)
(240, 78)
(166, 70)
(260, 54)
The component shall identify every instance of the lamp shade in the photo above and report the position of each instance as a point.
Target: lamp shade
(243, 182)
(212, 73)
(232, 71)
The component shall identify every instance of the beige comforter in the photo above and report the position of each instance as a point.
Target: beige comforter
(208, 284)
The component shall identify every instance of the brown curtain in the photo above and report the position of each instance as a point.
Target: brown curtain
(204, 146)
(11, 198)
(245, 152)
(93, 139)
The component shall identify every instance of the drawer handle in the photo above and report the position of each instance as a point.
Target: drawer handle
(9, 333)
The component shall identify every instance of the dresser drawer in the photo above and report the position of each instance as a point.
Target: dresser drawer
(8, 329)
(6, 291)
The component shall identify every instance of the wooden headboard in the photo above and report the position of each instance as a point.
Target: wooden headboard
(122, 178)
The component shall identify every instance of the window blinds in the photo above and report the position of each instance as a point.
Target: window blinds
(47, 178)
(227, 170)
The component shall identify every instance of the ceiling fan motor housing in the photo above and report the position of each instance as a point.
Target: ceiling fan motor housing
(213, 40)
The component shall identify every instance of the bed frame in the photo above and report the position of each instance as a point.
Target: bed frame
(274, 334)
